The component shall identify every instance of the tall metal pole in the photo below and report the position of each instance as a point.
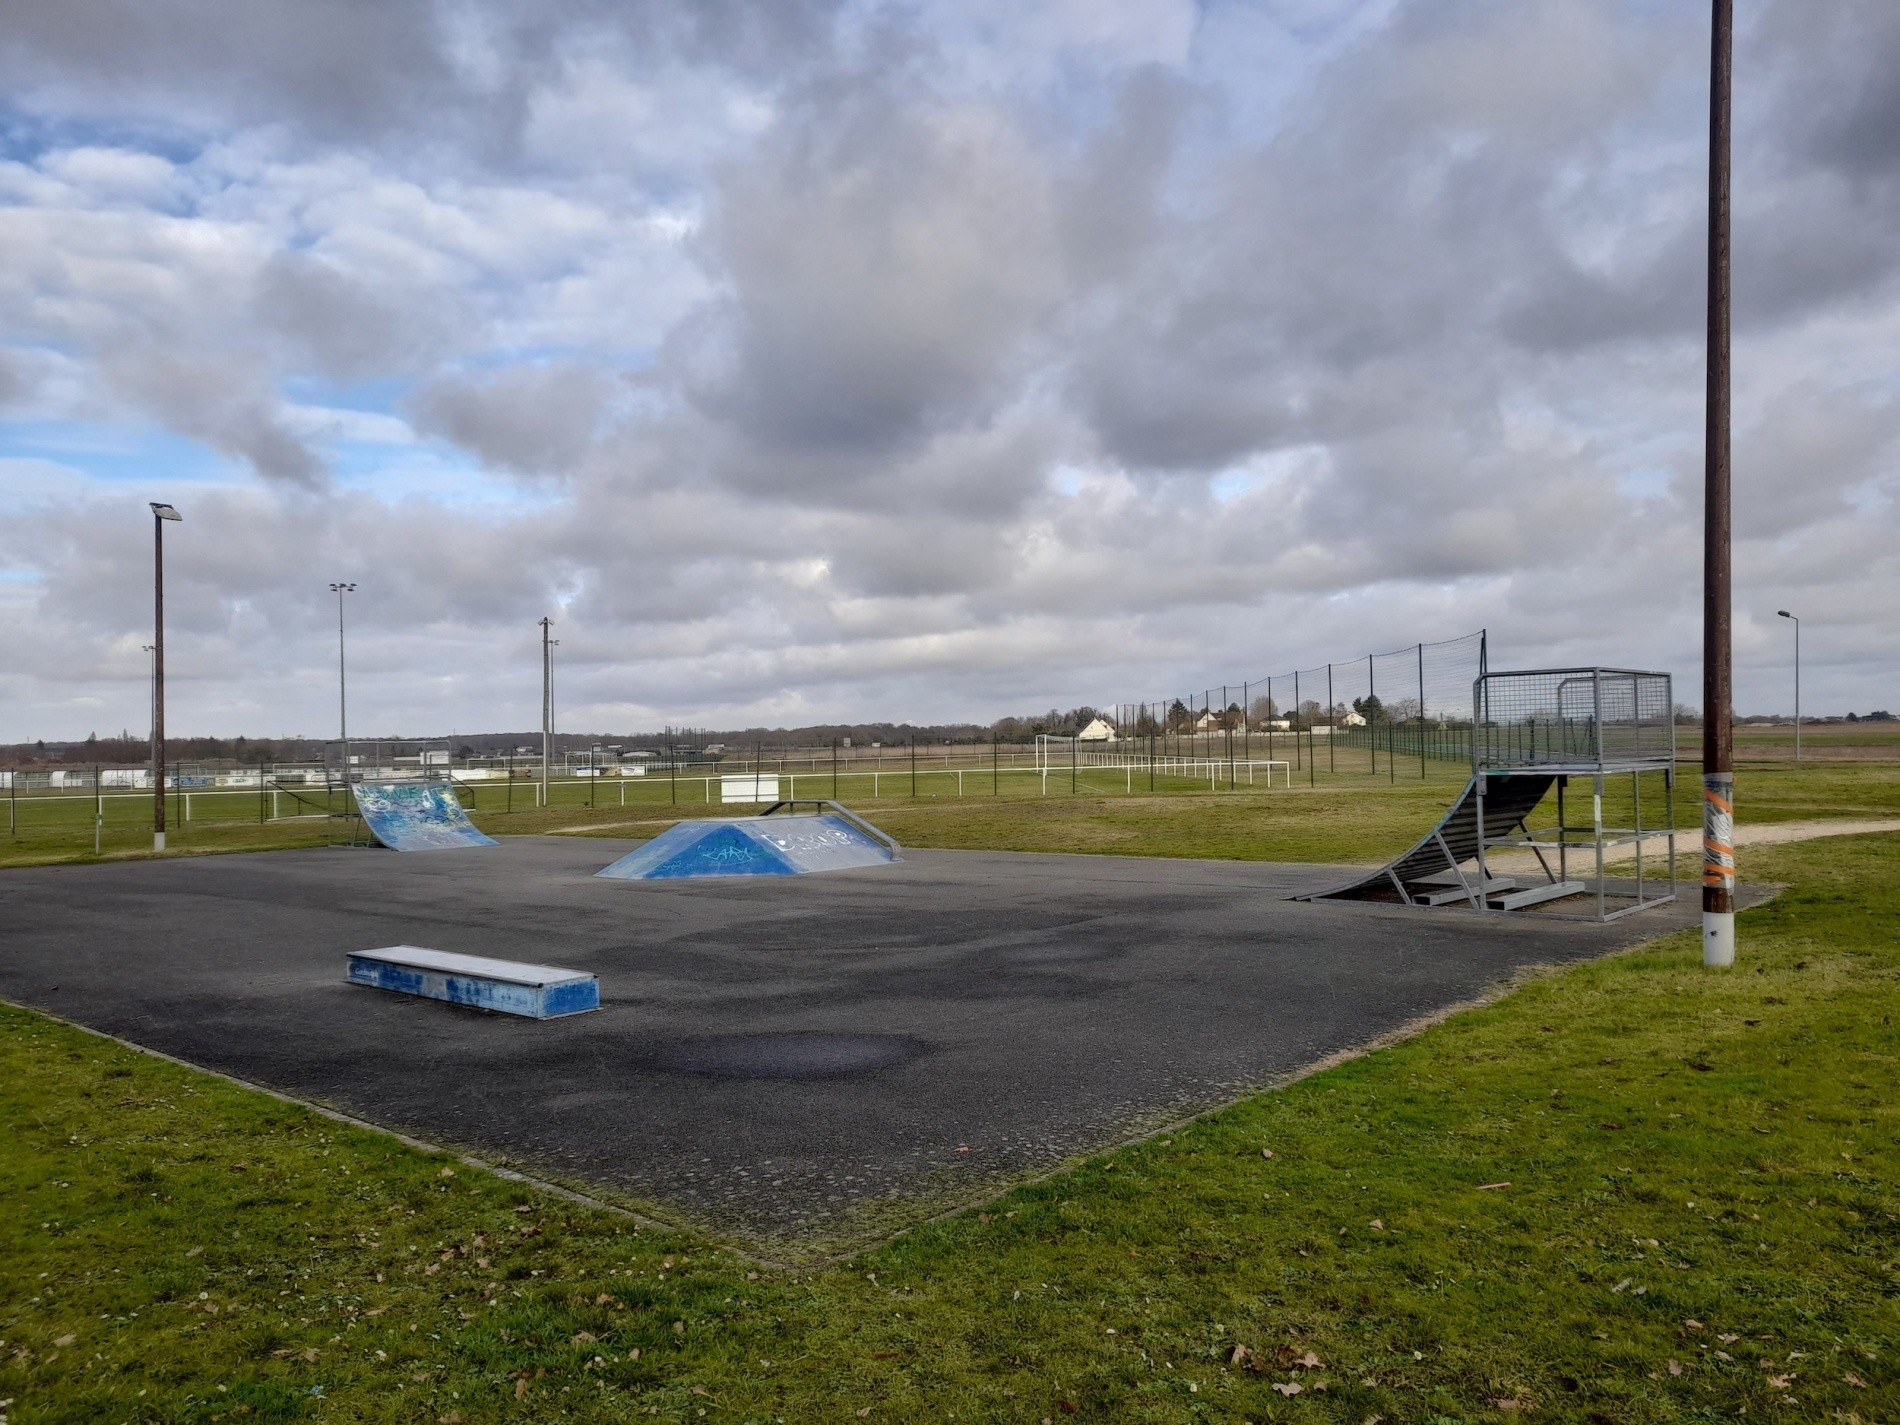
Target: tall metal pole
(547, 705)
(342, 682)
(1783, 613)
(160, 514)
(1718, 732)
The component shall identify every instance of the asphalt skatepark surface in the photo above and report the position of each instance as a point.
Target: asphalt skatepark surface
(772, 1055)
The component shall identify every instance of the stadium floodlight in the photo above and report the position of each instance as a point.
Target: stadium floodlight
(1783, 613)
(160, 514)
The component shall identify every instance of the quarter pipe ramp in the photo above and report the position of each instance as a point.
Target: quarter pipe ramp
(416, 816)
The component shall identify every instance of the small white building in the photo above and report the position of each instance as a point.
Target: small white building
(1351, 719)
(1099, 730)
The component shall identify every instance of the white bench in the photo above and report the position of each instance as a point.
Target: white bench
(505, 986)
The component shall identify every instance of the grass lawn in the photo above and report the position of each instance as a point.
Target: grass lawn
(1632, 1191)
(1345, 816)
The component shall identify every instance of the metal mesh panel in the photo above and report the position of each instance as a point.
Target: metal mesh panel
(1592, 718)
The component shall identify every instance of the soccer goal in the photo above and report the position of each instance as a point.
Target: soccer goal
(1054, 752)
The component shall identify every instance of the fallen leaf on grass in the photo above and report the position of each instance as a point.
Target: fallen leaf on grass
(1309, 1361)
(1240, 1355)
(1780, 1382)
(1510, 1403)
(1675, 1367)
(1693, 1324)
(1266, 1152)
(1854, 1381)
(1620, 1286)
(1728, 1338)
(64, 1341)
(1288, 1387)
(521, 1388)
(579, 1336)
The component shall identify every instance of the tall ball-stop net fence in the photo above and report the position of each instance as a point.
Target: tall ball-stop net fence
(1407, 709)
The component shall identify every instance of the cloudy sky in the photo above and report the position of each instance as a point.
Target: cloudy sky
(816, 360)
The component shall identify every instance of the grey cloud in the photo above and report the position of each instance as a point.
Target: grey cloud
(887, 260)
(13, 382)
(449, 73)
(222, 401)
(336, 324)
(537, 420)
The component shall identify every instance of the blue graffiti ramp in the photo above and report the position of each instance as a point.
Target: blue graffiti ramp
(505, 986)
(416, 816)
(755, 846)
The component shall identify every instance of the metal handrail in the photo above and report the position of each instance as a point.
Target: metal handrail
(834, 809)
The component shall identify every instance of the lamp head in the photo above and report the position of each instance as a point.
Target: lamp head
(343, 588)
(1783, 613)
(165, 512)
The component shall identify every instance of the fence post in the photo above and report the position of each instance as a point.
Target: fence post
(1372, 728)
(834, 769)
(913, 767)
(1072, 746)
(1421, 712)
(1297, 754)
(996, 781)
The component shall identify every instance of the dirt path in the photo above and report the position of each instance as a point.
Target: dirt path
(1689, 843)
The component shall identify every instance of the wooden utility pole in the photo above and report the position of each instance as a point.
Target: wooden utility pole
(1718, 730)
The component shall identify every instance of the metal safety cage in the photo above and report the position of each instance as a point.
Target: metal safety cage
(1582, 719)
(1558, 725)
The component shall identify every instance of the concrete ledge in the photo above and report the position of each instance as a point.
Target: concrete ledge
(504, 986)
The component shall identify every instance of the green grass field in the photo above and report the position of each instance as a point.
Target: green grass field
(1632, 1191)
(1339, 810)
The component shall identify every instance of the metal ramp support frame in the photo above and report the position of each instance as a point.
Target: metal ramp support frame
(1592, 837)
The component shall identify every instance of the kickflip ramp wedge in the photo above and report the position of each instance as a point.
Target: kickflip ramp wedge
(416, 816)
(828, 840)
(1432, 872)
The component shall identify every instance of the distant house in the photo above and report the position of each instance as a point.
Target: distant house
(1209, 721)
(1098, 730)
(1351, 719)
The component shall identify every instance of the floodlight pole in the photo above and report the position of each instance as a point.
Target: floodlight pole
(1797, 680)
(160, 514)
(547, 705)
(342, 682)
(1718, 732)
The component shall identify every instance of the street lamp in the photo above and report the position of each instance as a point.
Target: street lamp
(1783, 613)
(342, 683)
(160, 514)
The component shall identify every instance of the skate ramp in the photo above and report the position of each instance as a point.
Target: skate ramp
(833, 840)
(1430, 873)
(416, 816)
